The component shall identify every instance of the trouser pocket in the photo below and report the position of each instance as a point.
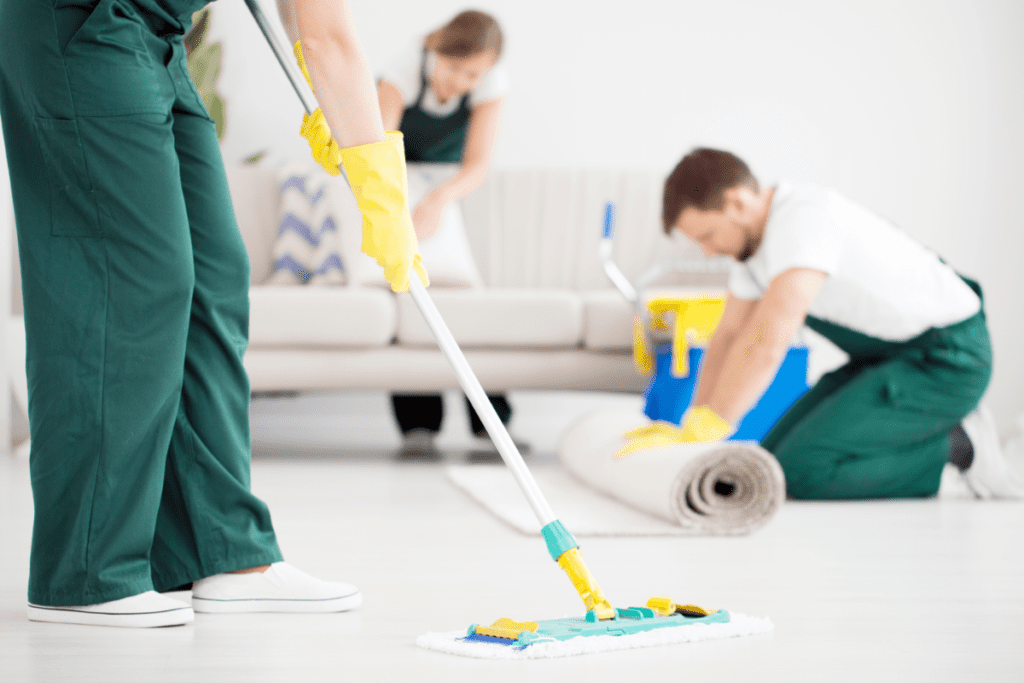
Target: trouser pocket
(73, 208)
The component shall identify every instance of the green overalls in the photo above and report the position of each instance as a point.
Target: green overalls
(436, 139)
(135, 282)
(878, 427)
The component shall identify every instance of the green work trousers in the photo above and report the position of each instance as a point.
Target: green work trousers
(878, 427)
(135, 282)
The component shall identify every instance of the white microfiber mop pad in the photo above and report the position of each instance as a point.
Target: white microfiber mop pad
(739, 625)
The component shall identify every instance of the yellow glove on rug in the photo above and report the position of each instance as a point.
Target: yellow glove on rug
(377, 174)
(701, 425)
(704, 424)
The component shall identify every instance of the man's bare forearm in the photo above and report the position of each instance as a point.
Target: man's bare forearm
(746, 371)
(711, 367)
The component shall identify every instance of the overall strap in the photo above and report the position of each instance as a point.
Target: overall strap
(423, 78)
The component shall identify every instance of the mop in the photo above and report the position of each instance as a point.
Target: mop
(660, 621)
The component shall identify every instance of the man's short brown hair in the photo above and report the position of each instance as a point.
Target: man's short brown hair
(700, 181)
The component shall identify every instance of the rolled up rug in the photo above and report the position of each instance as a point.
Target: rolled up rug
(709, 489)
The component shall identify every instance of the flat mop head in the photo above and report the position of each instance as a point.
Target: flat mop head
(661, 622)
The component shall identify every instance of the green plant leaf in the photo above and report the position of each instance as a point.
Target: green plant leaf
(204, 63)
(217, 108)
(197, 34)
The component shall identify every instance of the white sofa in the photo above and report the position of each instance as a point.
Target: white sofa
(547, 317)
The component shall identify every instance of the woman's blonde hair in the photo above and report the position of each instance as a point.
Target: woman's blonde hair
(469, 33)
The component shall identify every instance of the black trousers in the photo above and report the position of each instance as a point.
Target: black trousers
(426, 411)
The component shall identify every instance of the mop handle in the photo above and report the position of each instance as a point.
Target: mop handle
(604, 252)
(471, 385)
(291, 69)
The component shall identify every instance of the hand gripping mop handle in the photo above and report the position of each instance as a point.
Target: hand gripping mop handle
(561, 544)
(288, 65)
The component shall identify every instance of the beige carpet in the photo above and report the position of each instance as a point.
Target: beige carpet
(719, 489)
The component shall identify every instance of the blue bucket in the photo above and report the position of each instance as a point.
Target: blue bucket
(668, 397)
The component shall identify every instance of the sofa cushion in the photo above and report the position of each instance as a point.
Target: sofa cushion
(498, 318)
(320, 317)
(607, 321)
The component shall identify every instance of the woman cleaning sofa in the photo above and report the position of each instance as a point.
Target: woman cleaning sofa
(445, 95)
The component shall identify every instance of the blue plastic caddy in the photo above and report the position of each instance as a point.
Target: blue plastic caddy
(668, 396)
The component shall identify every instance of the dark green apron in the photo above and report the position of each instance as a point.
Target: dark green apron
(878, 427)
(430, 138)
(135, 284)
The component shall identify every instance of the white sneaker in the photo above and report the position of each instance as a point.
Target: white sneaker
(989, 475)
(953, 485)
(145, 610)
(418, 444)
(282, 588)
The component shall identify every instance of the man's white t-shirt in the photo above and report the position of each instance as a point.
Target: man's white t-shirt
(404, 74)
(880, 282)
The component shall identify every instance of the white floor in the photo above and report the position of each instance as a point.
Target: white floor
(893, 591)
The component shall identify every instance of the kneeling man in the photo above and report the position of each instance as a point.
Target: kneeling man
(885, 424)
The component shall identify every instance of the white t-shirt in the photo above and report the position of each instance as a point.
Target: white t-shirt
(880, 281)
(404, 74)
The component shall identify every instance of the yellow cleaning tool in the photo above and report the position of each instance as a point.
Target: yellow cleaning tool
(643, 356)
(586, 585)
(701, 424)
(686, 318)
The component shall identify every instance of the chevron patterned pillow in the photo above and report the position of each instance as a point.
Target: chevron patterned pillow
(307, 249)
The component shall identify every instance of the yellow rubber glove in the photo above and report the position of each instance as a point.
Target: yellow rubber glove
(326, 151)
(377, 175)
(701, 425)
(315, 129)
(297, 49)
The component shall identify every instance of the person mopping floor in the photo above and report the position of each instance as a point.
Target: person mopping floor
(135, 283)
(883, 425)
